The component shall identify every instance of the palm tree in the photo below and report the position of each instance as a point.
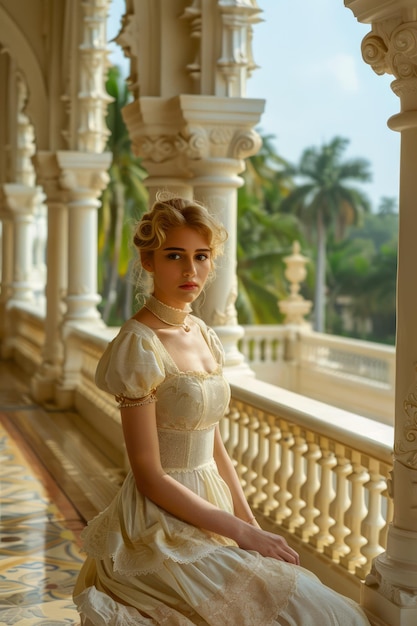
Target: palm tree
(325, 202)
(122, 203)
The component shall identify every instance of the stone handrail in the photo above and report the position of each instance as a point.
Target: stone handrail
(352, 374)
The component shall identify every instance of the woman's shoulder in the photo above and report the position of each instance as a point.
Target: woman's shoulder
(132, 361)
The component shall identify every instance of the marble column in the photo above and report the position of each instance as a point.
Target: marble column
(43, 382)
(390, 591)
(83, 176)
(22, 202)
(6, 273)
(195, 146)
(191, 122)
(219, 134)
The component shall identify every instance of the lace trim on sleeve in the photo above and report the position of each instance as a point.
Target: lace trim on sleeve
(124, 402)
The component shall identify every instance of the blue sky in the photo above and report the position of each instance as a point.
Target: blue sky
(316, 86)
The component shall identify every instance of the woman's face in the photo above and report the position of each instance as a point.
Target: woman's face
(180, 266)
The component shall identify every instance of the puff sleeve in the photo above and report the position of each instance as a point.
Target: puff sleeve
(130, 367)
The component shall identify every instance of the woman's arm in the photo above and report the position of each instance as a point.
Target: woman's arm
(141, 437)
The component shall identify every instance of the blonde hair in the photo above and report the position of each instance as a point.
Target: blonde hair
(170, 212)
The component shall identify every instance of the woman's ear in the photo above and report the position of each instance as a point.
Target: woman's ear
(146, 261)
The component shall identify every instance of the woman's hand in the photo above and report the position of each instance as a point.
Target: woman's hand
(267, 544)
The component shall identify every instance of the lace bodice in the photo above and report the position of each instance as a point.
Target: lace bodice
(136, 362)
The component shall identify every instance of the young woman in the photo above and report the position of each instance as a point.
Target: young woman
(179, 544)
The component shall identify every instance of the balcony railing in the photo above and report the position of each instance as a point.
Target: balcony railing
(313, 472)
(355, 375)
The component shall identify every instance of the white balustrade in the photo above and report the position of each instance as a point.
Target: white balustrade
(315, 472)
(355, 375)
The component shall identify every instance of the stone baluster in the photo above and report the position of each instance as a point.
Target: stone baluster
(242, 444)
(374, 520)
(339, 506)
(389, 513)
(309, 489)
(261, 459)
(248, 458)
(233, 442)
(271, 488)
(324, 498)
(355, 514)
(296, 481)
(283, 474)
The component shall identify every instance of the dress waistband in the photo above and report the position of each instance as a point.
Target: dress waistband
(185, 449)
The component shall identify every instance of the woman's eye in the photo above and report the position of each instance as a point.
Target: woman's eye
(202, 257)
(174, 255)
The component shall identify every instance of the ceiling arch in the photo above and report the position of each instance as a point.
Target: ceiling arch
(17, 45)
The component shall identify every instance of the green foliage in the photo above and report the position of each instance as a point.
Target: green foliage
(363, 272)
(315, 203)
(122, 203)
(327, 204)
(264, 237)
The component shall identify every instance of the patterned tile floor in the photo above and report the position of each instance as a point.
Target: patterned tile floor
(39, 540)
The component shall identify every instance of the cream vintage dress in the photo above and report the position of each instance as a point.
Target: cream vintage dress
(146, 567)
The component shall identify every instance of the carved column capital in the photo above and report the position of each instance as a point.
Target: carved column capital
(48, 174)
(391, 48)
(174, 134)
(22, 200)
(83, 171)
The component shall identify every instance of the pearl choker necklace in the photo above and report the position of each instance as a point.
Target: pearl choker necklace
(168, 314)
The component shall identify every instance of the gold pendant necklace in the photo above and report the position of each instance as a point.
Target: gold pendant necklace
(168, 314)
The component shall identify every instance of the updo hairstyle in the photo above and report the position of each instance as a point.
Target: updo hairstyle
(173, 212)
(170, 212)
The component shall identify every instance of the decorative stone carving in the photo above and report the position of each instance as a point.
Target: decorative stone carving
(397, 595)
(391, 48)
(128, 39)
(193, 14)
(234, 51)
(25, 173)
(85, 94)
(236, 59)
(295, 307)
(405, 448)
(245, 144)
